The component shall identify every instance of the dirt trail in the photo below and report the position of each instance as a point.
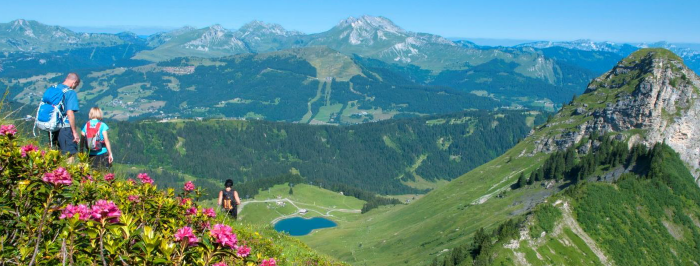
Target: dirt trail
(328, 210)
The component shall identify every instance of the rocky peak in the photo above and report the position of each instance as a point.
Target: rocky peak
(259, 28)
(368, 29)
(370, 23)
(648, 97)
(23, 27)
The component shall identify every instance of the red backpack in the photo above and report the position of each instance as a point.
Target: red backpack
(93, 137)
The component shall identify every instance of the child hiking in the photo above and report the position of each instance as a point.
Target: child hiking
(229, 200)
(98, 140)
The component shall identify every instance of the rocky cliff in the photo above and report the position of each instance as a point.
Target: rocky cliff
(648, 97)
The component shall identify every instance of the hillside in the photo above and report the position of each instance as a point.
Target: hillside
(648, 218)
(484, 198)
(309, 85)
(56, 213)
(406, 155)
(266, 207)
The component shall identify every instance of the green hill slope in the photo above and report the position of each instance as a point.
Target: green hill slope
(399, 152)
(448, 217)
(277, 203)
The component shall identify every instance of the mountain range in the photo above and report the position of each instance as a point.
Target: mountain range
(611, 178)
(368, 50)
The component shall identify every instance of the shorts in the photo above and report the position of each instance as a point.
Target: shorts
(233, 212)
(63, 138)
(100, 161)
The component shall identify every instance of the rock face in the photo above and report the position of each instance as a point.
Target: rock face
(650, 97)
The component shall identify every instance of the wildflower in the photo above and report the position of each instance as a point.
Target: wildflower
(27, 148)
(109, 177)
(87, 178)
(131, 181)
(70, 211)
(189, 186)
(134, 198)
(269, 262)
(58, 177)
(186, 232)
(223, 234)
(220, 264)
(243, 251)
(209, 212)
(145, 178)
(185, 201)
(191, 211)
(8, 130)
(106, 210)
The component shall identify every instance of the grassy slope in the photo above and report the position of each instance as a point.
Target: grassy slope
(316, 200)
(415, 233)
(635, 221)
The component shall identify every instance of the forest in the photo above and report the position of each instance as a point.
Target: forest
(647, 216)
(396, 151)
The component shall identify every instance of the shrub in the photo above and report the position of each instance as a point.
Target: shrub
(55, 213)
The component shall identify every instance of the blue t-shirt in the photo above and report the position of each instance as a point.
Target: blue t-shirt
(103, 128)
(70, 102)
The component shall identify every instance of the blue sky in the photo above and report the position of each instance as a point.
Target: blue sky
(621, 21)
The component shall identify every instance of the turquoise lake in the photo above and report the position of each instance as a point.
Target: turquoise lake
(297, 226)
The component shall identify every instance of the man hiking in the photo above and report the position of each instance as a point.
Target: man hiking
(68, 135)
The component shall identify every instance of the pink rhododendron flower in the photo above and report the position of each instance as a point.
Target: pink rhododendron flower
(8, 130)
(191, 211)
(27, 148)
(134, 198)
(109, 177)
(58, 177)
(186, 232)
(243, 251)
(269, 262)
(70, 211)
(223, 234)
(103, 209)
(209, 212)
(189, 186)
(145, 178)
(185, 201)
(220, 264)
(87, 178)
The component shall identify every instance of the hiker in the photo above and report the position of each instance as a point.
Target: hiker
(56, 115)
(229, 200)
(98, 144)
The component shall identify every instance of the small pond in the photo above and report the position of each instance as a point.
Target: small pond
(297, 226)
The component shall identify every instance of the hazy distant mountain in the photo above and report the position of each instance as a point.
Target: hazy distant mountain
(689, 52)
(585, 45)
(31, 36)
(213, 41)
(267, 37)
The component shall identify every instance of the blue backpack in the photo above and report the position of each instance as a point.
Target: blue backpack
(48, 115)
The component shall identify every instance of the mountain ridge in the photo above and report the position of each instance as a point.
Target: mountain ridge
(485, 196)
(650, 90)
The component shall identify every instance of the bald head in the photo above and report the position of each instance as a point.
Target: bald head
(72, 80)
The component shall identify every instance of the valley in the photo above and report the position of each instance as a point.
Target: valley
(407, 148)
